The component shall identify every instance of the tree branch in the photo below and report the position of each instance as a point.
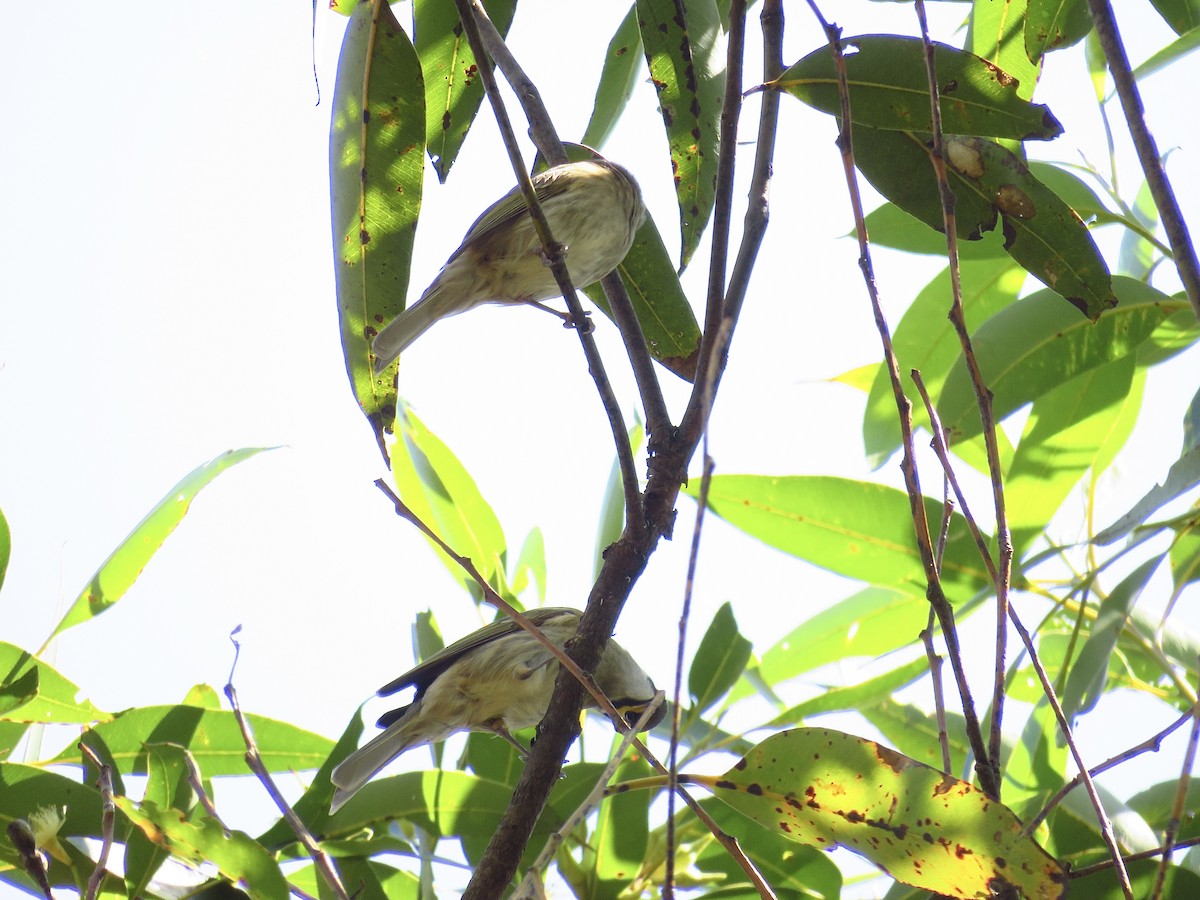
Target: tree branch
(1147, 150)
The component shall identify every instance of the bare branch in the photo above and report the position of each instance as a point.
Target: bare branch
(322, 860)
(1147, 150)
(107, 822)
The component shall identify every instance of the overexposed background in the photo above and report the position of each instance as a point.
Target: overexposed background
(166, 293)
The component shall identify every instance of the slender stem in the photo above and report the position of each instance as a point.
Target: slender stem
(983, 398)
(1178, 807)
(321, 860)
(988, 776)
(1147, 150)
(554, 255)
(107, 822)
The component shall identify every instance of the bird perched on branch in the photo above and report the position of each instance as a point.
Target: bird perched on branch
(594, 208)
(498, 679)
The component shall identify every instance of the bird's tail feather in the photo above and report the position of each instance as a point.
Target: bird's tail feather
(403, 330)
(361, 766)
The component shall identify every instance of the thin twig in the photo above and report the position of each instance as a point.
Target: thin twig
(490, 596)
(531, 885)
(1147, 150)
(108, 820)
(988, 774)
(939, 699)
(321, 859)
(983, 398)
(1151, 745)
(1177, 808)
(545, 138)
(554, 256)
(717, 348)
(1106, 828)
(1084, 871)
(575, 672)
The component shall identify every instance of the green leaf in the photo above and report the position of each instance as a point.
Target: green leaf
(1070, 188)
(1035, 344)
(453, 88)
(212, 736)
(1136, 257)
(1054, 25)
(991, 184)
(376, 168)
(858, 697)
(719, 661)
(688, 72)
(1181, 15)
(118, 573)
(1182, 477)
(996, 32)
(921, 826)
(438, 489)
(891, 226)
(1185, 44)
(925, 339)
(915, 732)
(234, 853)
(1064, 434)
(1185, 557)
(662, 309)
(612, 507)
(618, 77)
(872, 622)
(167, 788)
(1089, 674)
(5, 546)
(858, 529)
(889, 90)
(439, 802)
(531, 565)
(794, 872)
(616, 847)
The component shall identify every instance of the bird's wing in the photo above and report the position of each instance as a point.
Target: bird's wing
(512, 206)
(422, 675)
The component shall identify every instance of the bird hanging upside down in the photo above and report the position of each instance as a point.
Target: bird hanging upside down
(498, 679)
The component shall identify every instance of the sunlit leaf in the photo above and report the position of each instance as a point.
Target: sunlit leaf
(453, 88)
(622, 69)
(1055, 24)
(376, 169)
(235, 854)
(719, 660)
(996, 32)
(1066, 430)
(921, 826)
(687, 69)
(1182, 477)
(1181, 15)
(118, 573)
(855, 528)
(925, 339)
(436, 486)
(212, 736)
(1089, 674)
(617, 844)
(1037, 343)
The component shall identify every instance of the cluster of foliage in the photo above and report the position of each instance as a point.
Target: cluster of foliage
(954, 806)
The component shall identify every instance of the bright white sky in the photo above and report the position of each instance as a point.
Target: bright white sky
(167, 293)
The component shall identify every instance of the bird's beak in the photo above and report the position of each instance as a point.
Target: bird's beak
(632, 712)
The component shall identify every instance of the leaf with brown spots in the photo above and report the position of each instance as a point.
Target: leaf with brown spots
(453, 89)
(376, 167)
(992, 186)
(923, 827)
(688, 71)
(889, 89)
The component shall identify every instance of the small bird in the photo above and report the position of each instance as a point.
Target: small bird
(497, 679)
(594, 209)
